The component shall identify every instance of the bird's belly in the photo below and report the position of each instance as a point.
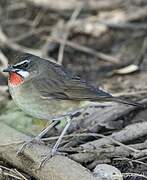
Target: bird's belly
(43, 108)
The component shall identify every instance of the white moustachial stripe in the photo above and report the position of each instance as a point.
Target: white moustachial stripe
(23, 73)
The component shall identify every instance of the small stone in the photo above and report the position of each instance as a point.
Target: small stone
(107, 172)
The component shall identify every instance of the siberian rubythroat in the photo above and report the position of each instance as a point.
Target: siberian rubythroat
(46, 90)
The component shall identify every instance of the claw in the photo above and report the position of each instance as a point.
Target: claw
(55, 147)
(44, 160)
(37, 139)
(29, 143)
(49, 155)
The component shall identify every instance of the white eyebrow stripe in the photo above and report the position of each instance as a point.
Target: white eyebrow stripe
(18, 64)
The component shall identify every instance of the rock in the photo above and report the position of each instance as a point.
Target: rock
(107, 172)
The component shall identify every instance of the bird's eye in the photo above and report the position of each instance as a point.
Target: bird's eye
(25, 64)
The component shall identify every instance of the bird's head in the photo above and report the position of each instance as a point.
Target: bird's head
(25, 69)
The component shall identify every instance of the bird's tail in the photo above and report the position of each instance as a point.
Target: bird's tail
(119, 100)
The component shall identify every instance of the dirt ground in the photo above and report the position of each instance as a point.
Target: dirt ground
(102, 41)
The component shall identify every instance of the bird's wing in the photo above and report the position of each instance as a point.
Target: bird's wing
(58, 83)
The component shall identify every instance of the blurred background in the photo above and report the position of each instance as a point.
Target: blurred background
(103, 41)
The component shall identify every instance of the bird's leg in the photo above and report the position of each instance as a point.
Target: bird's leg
(37, 139)
(55, 147)
(44, 131)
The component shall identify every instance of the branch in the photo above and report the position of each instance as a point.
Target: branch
(58, 167)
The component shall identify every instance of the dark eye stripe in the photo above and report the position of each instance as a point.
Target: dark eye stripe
(22, 65)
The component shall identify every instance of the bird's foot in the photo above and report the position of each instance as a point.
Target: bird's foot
(29, 143)
(49, 155)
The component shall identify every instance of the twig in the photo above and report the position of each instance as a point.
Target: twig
(80, 135)
(101, 56)
(6, 41)
(128, 175)
(31, 32)
(94, 5)
(12, 173)
(20, 174)
(4, 62)
(129, 133)
(17, 21)
(95, 135)
(37, 19)
(126, 25)
(132, 160)
(140, 58)
(133, 93)
(15, 6)
(3, 59)
(67, 31)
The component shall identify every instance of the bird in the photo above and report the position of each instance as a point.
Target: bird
(47, 90)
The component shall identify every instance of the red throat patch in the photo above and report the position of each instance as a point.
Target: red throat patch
(15, 79)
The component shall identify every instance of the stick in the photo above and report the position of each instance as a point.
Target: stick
(66, 34)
